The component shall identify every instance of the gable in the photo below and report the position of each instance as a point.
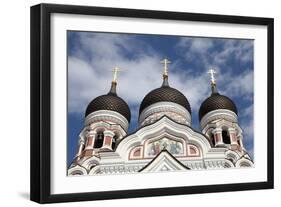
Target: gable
(164, 161)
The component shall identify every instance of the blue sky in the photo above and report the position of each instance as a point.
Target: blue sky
(93, 55)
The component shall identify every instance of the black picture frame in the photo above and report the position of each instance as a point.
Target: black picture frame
(41, 102)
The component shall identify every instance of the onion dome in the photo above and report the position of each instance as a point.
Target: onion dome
(111, 102)
(216, 101)
(165, 94)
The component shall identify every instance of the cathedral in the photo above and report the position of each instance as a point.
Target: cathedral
(164, 139)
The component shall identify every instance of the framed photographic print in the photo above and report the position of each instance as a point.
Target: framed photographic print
(133, 103)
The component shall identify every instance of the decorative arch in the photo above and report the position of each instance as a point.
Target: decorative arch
(243, 162)
(77, 170)
(193, 150)
(165, 127)
(136, 153)
(94, 170)
(228, 164)
(232, 155)
(88, 163)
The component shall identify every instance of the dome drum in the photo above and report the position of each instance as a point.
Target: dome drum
(218, 114)
(155, 111)
(110, 117)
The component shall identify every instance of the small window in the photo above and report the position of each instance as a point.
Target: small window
(225, 137)
(77, 173)
(99, 140)
(114, 140)
(212, 136)
(245, 164)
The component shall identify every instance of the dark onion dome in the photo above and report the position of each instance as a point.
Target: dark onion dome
(110, 102)
(167, 94)
(214, 102)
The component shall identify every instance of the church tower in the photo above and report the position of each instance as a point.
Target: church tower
(164, 101)
(218, 118)
(107, 119)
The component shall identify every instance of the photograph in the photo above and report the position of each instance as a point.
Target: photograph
(133, 103)
(150, 103)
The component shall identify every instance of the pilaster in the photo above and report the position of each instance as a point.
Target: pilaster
(107, 141)
(218, 137)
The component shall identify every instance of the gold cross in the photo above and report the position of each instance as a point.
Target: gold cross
(165, 62)
(212, 73)
(115, 74)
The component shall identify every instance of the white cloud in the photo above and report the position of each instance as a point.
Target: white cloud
(90, 69)
(240, 85)
(90, 72)
(91, 64)
(235, 49)
(213, 52)
(199, 45)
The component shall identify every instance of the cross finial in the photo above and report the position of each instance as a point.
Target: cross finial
(165, 62)
(212, 73)
(115, 74)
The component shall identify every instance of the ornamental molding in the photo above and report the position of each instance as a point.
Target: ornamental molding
(77, 169)
(165, 107)
(244, 162)
(107, 115)
(217, 115)
(105, 126)
(164, 161)
(161, 128)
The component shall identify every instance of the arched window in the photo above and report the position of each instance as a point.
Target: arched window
(99, 140)
(225, 137)
(245, 164)
(231, 157)
(212, 136)
(114, 140)
(77, 173)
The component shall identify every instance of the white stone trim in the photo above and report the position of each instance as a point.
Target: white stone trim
(112, 116)
(163, 127)
(118, 161)
(165, 107)
(218, 114)
(77, 168)
(244, 160)
(232, 154)
(228, 162)
(163, 162)
(104, 125)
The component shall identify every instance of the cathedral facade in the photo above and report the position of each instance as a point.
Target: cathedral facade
(165, 139)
